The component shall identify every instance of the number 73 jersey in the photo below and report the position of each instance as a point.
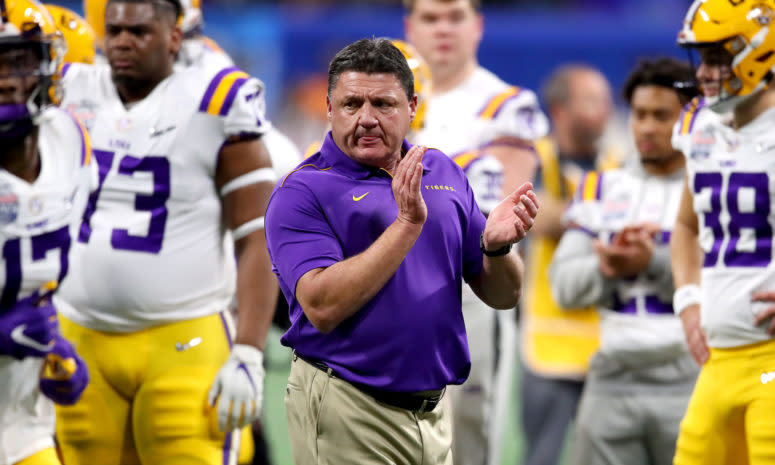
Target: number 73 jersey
(731, 175)
(152, 248)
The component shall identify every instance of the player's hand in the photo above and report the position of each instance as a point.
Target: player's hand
(512, 218)
(238, 388)
(767, 313)
(628, 254)
(29, 328)
(407, 183)
(695, 336)
(65, 374)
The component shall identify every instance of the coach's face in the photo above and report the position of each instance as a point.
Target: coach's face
(370, 116)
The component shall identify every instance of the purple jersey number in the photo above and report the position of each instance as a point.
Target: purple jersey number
(155, 203)
(757, 220)
(41, 245)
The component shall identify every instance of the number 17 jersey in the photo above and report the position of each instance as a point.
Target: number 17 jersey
(731, 175)
(153, 248)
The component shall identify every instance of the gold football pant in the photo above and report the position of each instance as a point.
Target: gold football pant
(731, 415)
(146, 401)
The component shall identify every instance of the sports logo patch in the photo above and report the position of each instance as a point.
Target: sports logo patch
(702, 144)
(9, 205)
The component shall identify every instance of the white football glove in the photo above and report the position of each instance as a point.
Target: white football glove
(239, 388)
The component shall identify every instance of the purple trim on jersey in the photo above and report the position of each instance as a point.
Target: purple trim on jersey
(584, 230)
(599, 186)
(653, 306)
(227, 448)
(80, 132)
(226, 329)
(235, 87)
(503, 104)
(65, 67)
(700, 105)
(213, 86)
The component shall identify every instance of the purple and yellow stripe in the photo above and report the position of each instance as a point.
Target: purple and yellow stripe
(689, 114)
(226, 329)
(222, 90)
(591, 186)
(64, 69)
(495, 105)
(465, 159)
(85, 140)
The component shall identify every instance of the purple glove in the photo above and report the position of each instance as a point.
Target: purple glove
(65, 374)
(28, 329)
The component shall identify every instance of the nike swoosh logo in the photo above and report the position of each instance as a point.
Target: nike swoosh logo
(358, 199)
(192, 343)
(18, 336)
(159, 132)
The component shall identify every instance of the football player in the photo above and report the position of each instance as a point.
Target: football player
(181, 163)
(722, 243)
(615, 256)
(474, 114)
(44, 185)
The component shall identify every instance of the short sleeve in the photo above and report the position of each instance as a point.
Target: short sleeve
(298, 235)
(472, 253)
(238, 99)
(516, 113)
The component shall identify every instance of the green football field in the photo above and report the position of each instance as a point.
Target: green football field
(278, 364)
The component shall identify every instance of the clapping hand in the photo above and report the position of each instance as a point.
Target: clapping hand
(28, 328)
(511, 219)
(65, 374)
(407, 180)
(629, 252)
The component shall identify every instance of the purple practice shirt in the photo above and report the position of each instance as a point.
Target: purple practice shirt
(410, 336)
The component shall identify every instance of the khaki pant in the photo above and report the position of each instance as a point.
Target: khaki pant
(332, 422)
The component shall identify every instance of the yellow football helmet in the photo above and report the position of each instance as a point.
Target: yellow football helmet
(94, 12)
(78, 35)
(192, 22)
(35, 49)
(422, 80)
(744, 29)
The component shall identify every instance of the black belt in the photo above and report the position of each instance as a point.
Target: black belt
(417, 403)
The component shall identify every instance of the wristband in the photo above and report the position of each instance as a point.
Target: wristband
(493, 253)
(686, 296)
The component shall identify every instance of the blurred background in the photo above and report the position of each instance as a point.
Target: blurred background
(288, 45)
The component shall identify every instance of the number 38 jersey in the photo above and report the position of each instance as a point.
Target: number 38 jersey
(39, 221)
(153, 248)
(731, 175)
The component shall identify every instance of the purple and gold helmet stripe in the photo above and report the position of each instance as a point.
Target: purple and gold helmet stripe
(222, 90)
(495, 105)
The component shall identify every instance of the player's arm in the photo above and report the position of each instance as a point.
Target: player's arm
(574, 274)
(519, 161)
(330, 295)
(245, 178)
(687, 263)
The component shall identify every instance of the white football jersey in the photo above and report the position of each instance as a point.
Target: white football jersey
(153, 248)
(39, 223)
(731, 175)
(639, 324)
(479, 111)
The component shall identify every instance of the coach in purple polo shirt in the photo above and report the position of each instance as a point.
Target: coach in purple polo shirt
(371, 239)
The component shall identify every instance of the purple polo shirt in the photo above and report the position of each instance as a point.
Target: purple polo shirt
(410, 336)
